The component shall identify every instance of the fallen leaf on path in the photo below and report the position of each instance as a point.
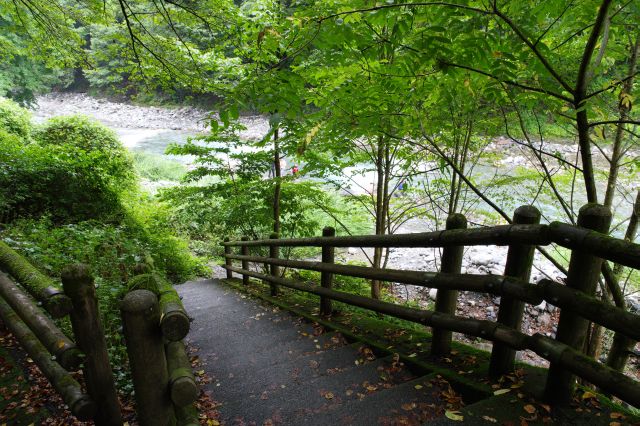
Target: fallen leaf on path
(530, 409)
(454, 415)
(502, 391)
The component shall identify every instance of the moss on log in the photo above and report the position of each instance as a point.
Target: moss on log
(67, 387)
(140, 317)
(187, 416)
(35, 282)
(65, 351)
(182, 382)
(174, 320)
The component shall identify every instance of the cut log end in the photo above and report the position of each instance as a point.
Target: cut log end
(184, 391)
(70, 359)
(58, 305)
(84, 408)
(174, 325)
(138, 301)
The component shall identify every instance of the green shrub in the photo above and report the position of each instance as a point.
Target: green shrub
(82, 133)
(60, 181)
(76, 170)
(14, 120)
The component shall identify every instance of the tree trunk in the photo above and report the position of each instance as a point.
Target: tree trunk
(594, 343)
(278, 186)
(619, 352)
(379, 211)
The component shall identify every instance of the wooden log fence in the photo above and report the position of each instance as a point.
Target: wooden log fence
(145, 347)
(80, 404)
(56, 342)
(577, 301)
(35, 282)
(87, 327)
(154, 325)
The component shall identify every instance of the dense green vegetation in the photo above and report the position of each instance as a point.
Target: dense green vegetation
(70, 194)
(388, 108)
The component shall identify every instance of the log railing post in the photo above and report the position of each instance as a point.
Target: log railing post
(141, 319)
(227, 261)
(89, 333)
(446, 300)
(274, 270)
(519, 262)
(244, 250)
(583, 275)
(326, 278)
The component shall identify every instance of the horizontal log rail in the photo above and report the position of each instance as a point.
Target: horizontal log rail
(497, 235)
(606, 378)
(493, 284)
(564, 297)
(568, 236)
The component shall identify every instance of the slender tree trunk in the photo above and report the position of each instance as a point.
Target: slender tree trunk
(278, 186)
(619, 352)
(580, 98)
(593, 346)
(623, 110)
(379, 211)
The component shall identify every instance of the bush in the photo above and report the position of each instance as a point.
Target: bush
(79, 132)
(76, 170)
(62, 182)
(14, 120)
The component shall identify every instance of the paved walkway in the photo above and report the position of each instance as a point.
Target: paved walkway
(270, 368)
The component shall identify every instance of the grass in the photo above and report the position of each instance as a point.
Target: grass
(155, 167)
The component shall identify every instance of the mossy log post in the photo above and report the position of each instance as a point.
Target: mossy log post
(326, 278)
(446, 300)
(182, 383)
(187, 416)
(87, 328)
(244, 250)
(519, 263)
(65, 351)
(227, 251)
(174, 321)
(274, 270)
(35, 282)
(140, 317)
(584, 271)
(80, 404)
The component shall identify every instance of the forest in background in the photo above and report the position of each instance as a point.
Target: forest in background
(412, 93)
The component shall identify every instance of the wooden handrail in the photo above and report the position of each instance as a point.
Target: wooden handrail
(556, 294)
(496, 235)
(569, 236)
(493, 284)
